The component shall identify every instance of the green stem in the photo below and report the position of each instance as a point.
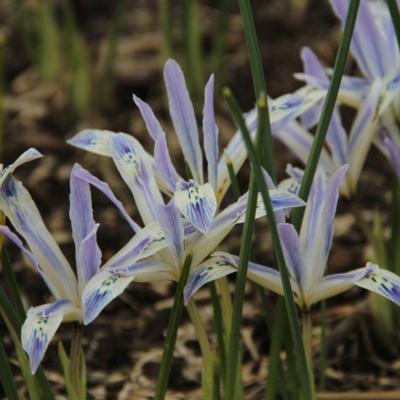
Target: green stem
(6, 376)
(258, 177)
(9, 274)
(207, 353)
(322, 352)
(307, 327)
(327, 111)
(233, 178)
(165, 21)
(260, 90)
(169, 345)
(77, 366)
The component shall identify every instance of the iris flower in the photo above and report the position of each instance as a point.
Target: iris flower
(375, 95)
(306, 256)
(79, 296)
(190, 220)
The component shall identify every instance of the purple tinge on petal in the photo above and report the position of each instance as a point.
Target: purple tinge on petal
(369, 45)
(39, 328)
(210, 131)
(292, 251)
(20, 209)
(101, 290)
(209, 271)
(183, 118)
(381, 281)
(84, 228)
(85, 175)
(197, 203)
(393, 152)
(96, 141)
(162, 158)
(28, 155)
(171, 223)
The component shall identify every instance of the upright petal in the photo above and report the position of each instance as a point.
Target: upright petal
(362, 133)
(292, 252)
(18, 206)
(86, 176)
(135, 170)
(197, 203)
(210, 270)
(317, 227)
(183, 118)
(40, 326)
(163, 162)
(84, 229)
(28, 155)
(369, 44)
(210, 130)
(171, 223)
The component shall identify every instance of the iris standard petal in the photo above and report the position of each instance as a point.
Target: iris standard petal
(163, 162)
(86, 176)
(20, 209)
(171, 223)
(210, 130)
(183, 118)
(84, 228)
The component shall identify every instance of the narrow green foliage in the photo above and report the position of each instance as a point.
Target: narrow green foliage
(11, 280)
(219, 42)
(327, 110)
(169, 344)
(307, 380)
(192, 46)
(257, 72)
(165, 20)
(234, 181)
(6, 376)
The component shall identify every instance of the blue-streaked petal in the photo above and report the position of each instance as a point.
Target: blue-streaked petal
(101, 290)
(40, 326)
(28, 155)
(292, 251)
(265, 276)
(369, 44)
(163, 162)
(197, 203)
(84, 228)
(149, 270)
(332, 285)
(171, 223)
(208, 271)
(210, 131)
(393, 152)
(145, 243)
(86, 176)
(20, 209)
(138, 174)
(381, 281)
(362, 132)
(96, 141)
(183, 118)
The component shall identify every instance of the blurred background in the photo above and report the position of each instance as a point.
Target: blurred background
(67, 65)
